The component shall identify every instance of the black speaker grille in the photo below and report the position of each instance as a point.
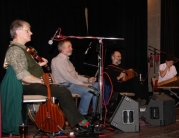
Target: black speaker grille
(154, 113)
(128, 116)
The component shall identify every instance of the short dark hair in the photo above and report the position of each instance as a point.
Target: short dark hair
(112, 54)
(170, 58)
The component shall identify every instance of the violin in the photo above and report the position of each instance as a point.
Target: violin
(33, 52)
(49, 117)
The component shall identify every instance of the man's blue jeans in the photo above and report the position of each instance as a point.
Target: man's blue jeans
(86, 96)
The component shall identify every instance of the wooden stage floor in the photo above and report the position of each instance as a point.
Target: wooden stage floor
(146, 131)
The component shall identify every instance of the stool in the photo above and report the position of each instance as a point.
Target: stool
(34, 102)
(129, 94)
(76, 97)
(34, 98)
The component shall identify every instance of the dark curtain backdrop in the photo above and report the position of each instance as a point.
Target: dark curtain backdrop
(170, 29)
(107, 18)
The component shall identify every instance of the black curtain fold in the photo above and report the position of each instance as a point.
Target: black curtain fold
(170, 29)
(122, 19)
(107, 18)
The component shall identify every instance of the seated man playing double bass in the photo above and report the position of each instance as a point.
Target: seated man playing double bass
(118, 75)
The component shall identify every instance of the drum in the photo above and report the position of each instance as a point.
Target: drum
(32, 110)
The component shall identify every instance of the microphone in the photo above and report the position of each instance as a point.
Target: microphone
(50, 42)
(88, 48)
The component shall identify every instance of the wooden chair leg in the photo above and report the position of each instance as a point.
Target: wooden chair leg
(76, 100)
(76, 97)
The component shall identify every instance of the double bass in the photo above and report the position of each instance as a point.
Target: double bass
(49, 117)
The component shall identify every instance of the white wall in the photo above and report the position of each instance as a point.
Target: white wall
(154, 20)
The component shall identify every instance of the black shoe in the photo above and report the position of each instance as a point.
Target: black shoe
(81, 129)
(86, 117)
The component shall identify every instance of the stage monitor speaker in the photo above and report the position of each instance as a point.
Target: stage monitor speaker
(126, 115)
(160, 110)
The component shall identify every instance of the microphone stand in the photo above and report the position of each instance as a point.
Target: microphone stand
(162, 52)
(92, 130)
(100, 68)
(100, 77)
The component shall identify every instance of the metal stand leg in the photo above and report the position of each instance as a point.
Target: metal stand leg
(50, 134)
(92, 130)
(175, 96)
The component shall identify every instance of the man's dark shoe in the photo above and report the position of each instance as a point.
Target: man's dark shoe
(86, 117)
(81, 129)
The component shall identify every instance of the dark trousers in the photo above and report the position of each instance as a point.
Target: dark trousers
(64, 97)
